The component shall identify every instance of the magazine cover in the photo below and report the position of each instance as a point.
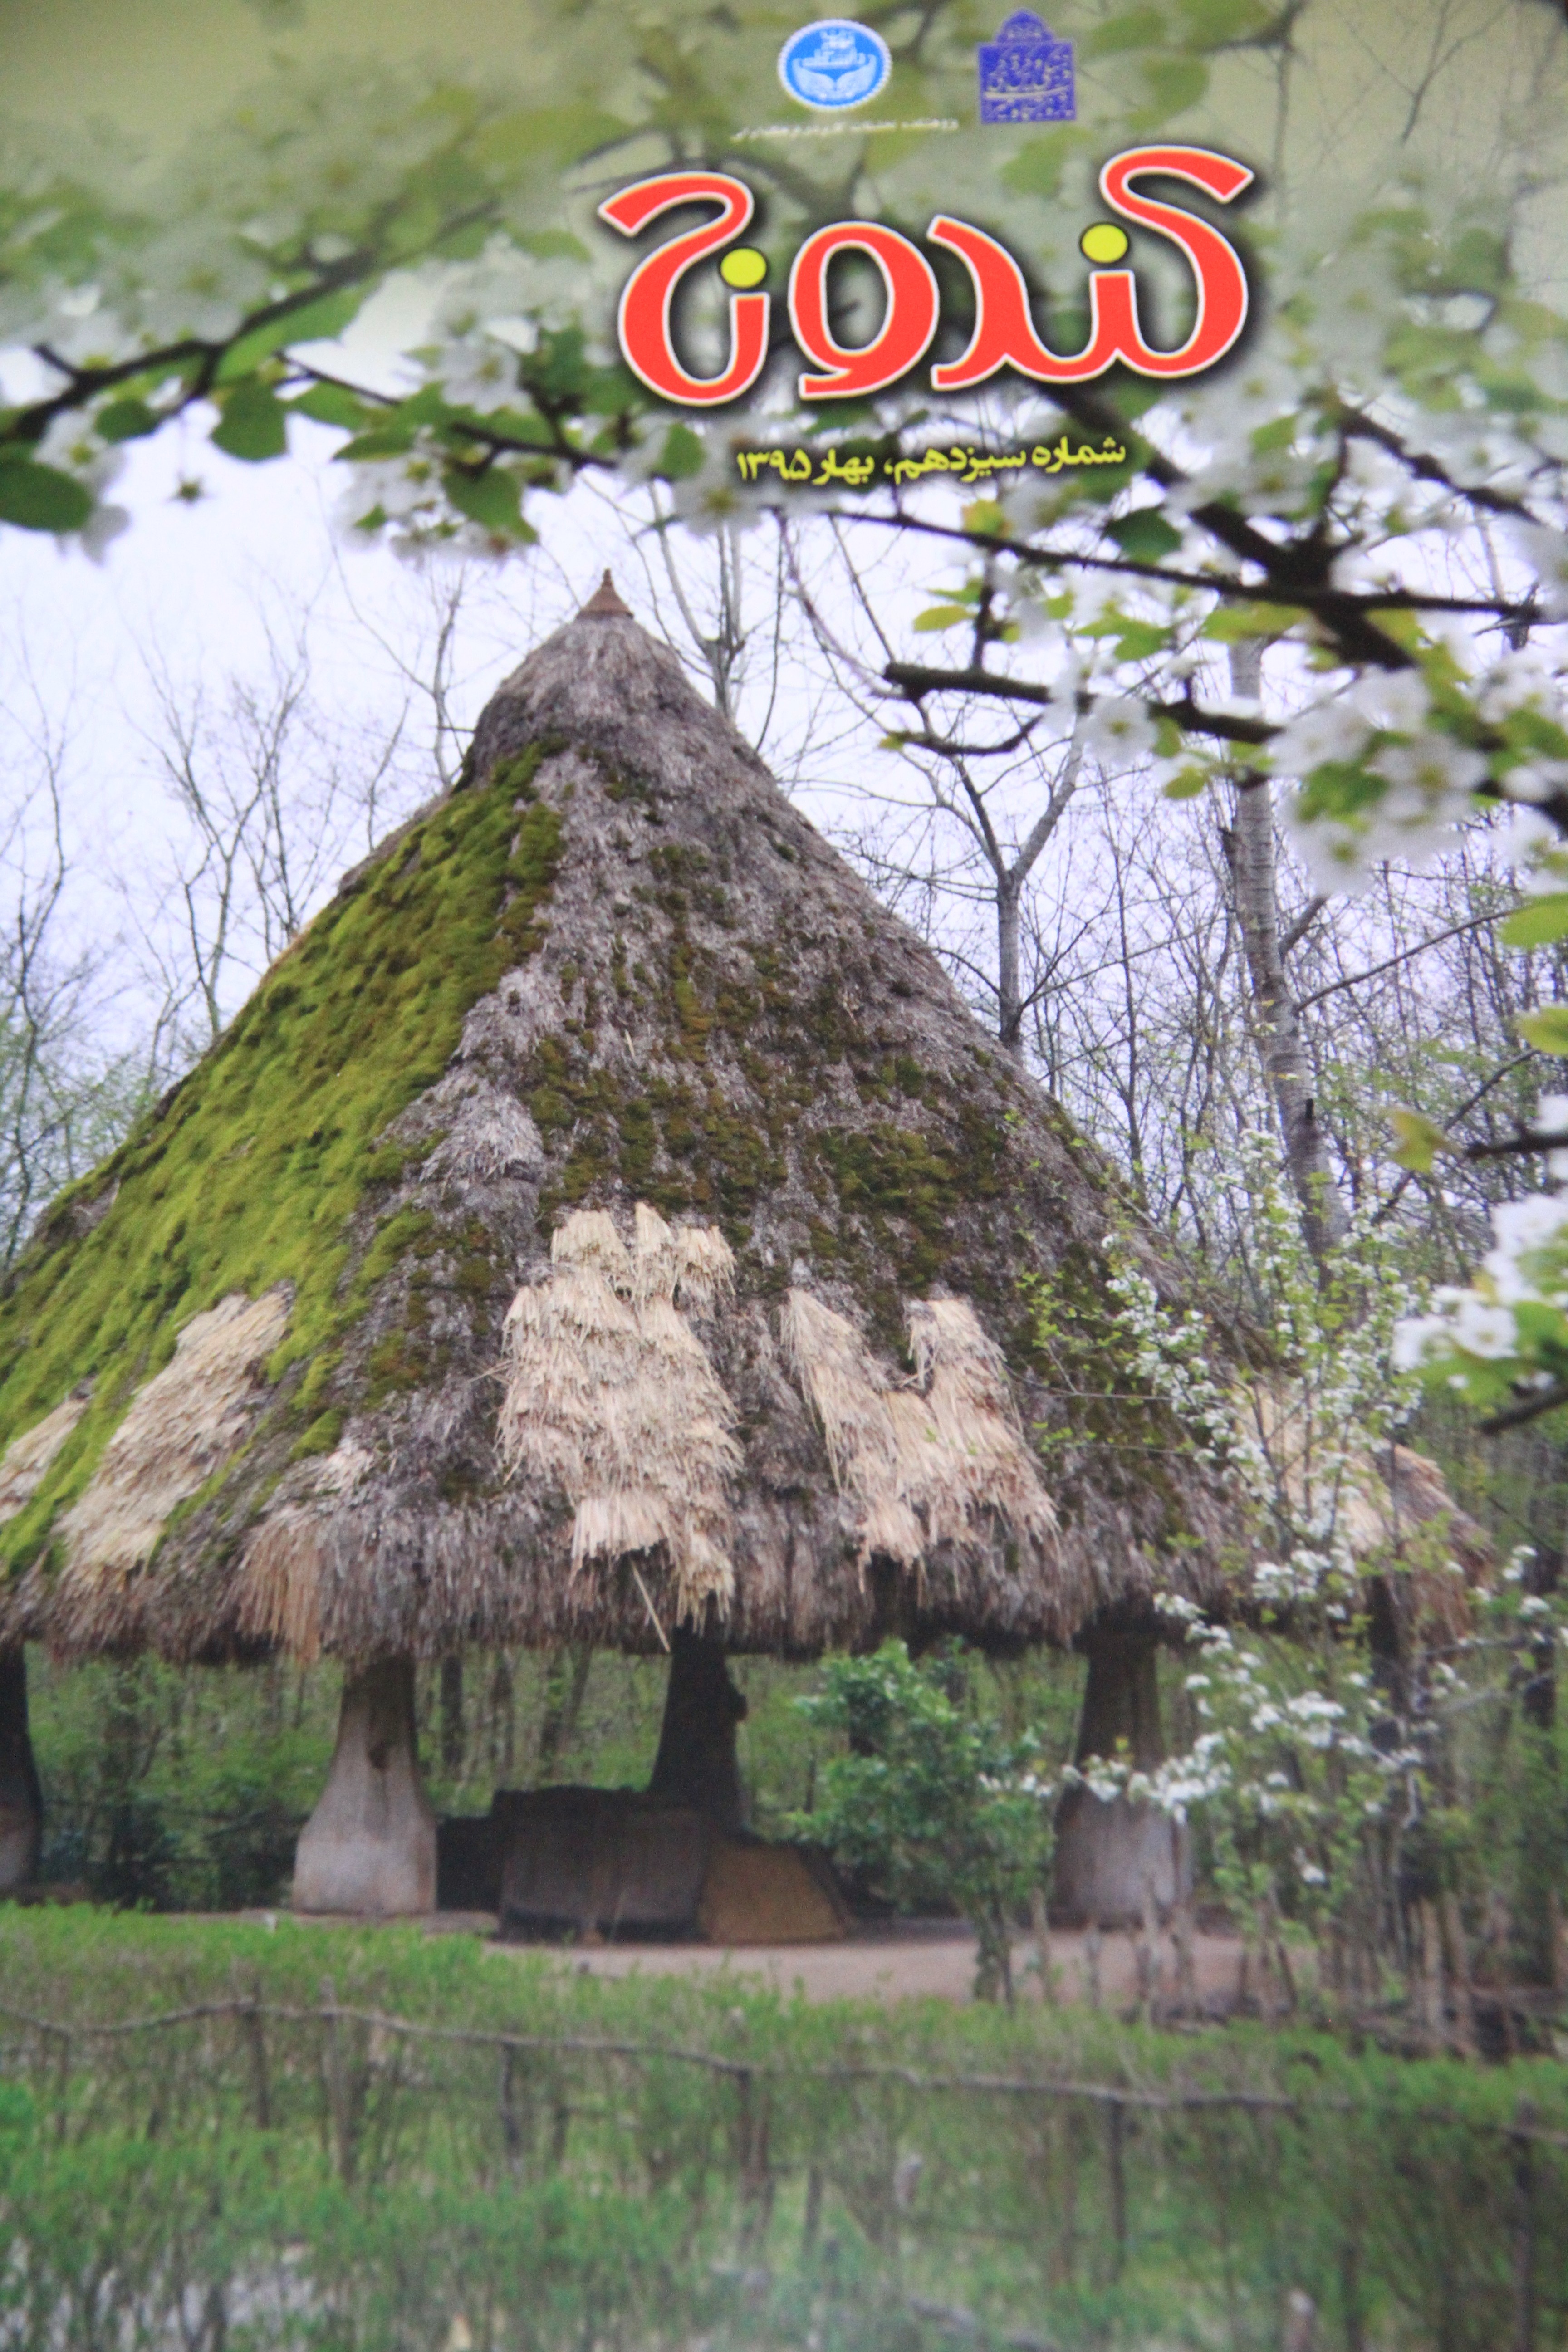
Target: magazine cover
(784, 1277)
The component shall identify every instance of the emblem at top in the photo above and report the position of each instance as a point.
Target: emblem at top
(1026, 74)
(835, 63)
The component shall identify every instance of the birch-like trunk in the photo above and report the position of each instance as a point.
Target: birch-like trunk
(1009, 984)
(1252, 850)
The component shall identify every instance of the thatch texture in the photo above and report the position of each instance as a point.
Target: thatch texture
(662, 1230)
(611, 1399)
(26, 1459)
(937, 1460)
(182, 1425)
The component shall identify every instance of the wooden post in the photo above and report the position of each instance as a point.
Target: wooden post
(340, 2097)
(1115, 2138)
(1108, 1848)
(1522, 2338)
(511, 2128)
(21, 1798)
(369, 1846)
(812, 2222)
(452, 1728)
(698, 1764)
(248, 2000)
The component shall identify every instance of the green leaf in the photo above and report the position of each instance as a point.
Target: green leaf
(254, 424)
(683, 455)
(1138, 639)
(1036, 169)
(943, 617)
(330, 403)
(1420, 1140)
(125, 420)
(1146, 536)
(1175, 83)
(492, 499)
(1233, 624)
(1277, 434)
(322, 320)
(1138, 28)
(1537, 924)
(1210, 22)
(1187, 785)
(40, 498)
(1547, 1030)
(393, 440)
(528, 138)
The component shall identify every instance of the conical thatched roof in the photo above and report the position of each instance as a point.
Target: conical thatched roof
(605, 1212)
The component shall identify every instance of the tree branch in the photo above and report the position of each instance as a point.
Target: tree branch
(913, 679)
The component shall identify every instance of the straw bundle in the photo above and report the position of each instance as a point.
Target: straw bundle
(26, 1459)
(612, 1401)
(182, 1425)
(924, 1464)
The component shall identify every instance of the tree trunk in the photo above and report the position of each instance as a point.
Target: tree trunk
(452, 1741)
(369, 1846)
(1251, 850)
(1538, 1909)
(697, 1763)
(21, 1798)
(566, 1675)
(1009, 984)
(1112, 1855)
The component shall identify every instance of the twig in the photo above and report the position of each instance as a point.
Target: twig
(648, 1604)
(1529, 1408)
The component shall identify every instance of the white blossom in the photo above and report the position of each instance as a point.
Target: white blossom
(1118, 727)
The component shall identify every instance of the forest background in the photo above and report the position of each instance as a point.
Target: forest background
(1292, 1018)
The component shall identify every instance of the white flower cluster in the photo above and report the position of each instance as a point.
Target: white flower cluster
(1171, 1354)
(1429, 779)
(1509, 1328)
(1301, 1441)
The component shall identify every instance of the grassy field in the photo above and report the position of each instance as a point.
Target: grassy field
(215, 2134)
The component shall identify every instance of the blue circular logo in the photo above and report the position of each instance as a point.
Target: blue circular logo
(834, 63)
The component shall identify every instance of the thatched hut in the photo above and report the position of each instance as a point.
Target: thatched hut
(604, 1223)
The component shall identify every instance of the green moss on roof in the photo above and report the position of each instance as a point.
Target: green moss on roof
(251, 1174)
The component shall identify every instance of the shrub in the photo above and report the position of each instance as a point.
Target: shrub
(933, 1803)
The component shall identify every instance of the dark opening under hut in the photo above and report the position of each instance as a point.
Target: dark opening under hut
(604, 1223)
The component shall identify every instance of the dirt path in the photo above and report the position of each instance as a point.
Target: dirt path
(925, 1959)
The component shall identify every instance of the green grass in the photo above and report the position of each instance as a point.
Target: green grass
(839, 2175)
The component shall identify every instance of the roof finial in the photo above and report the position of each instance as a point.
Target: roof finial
(604, 604)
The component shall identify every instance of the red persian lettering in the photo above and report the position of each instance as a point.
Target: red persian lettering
(643, 318)
(1004, 332)
(908, 321)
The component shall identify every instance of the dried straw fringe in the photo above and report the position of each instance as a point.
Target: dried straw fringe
(26, 1459)
(923, 1465)
(1379, 1501)
(182, 1425)
(611, 1398)
(285, 1558)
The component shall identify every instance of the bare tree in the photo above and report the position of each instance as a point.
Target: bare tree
(66, 1091)
(268, 794)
